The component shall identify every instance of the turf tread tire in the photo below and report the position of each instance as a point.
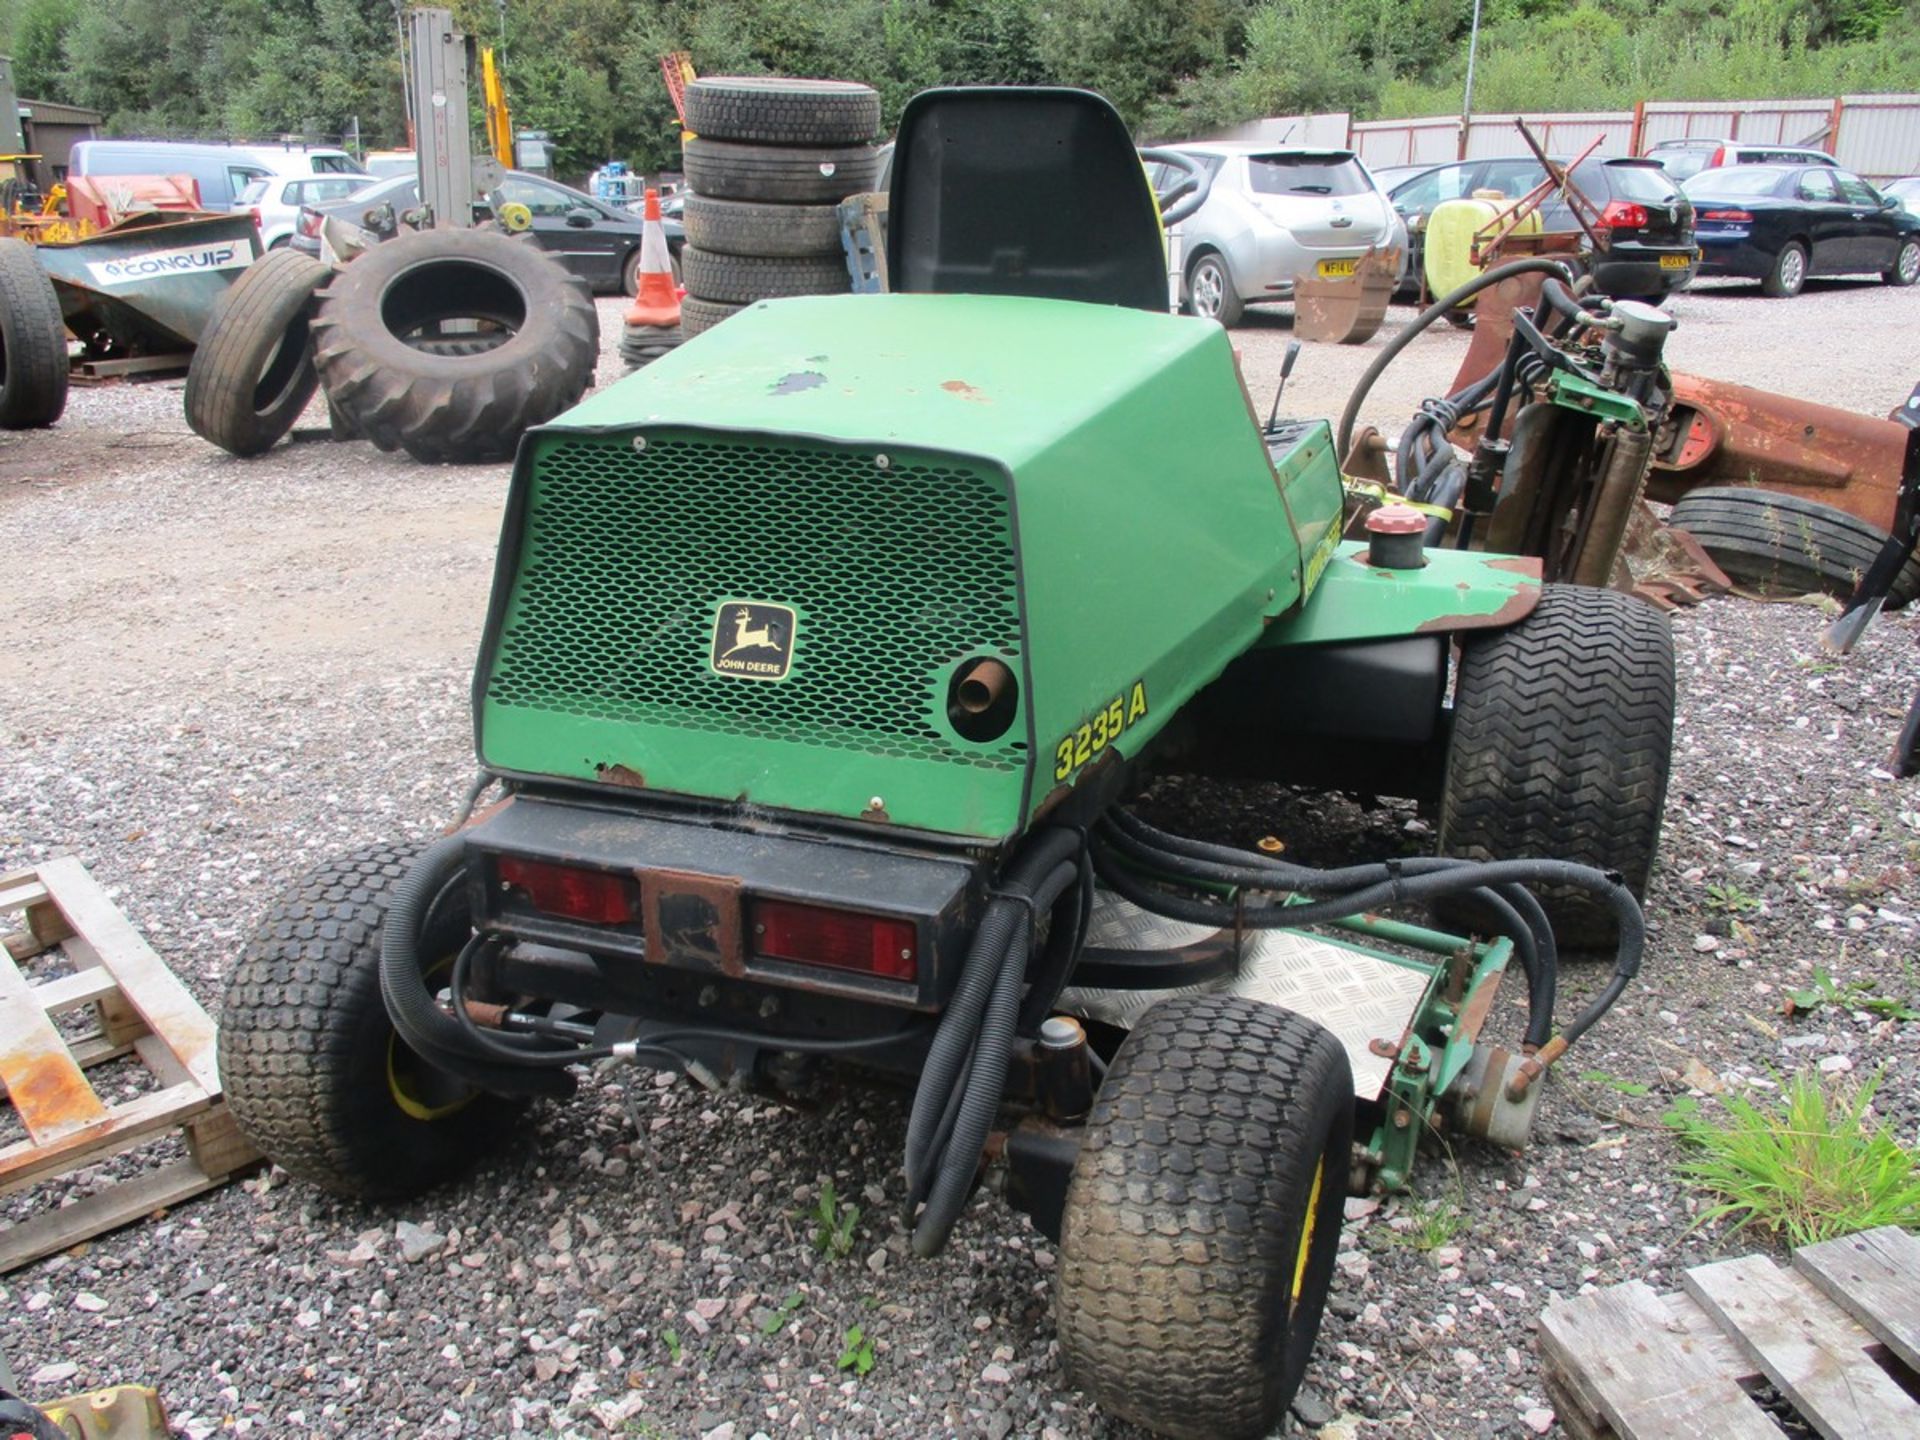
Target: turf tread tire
(33, 360)
(252, 373)
(1184, 1216)
(742, 279)
(1784, 545)
(304, 1035)
(792, 175)
(455, 409)
(775, 110)
(1562, 744)
(698, 316)
(748, 227)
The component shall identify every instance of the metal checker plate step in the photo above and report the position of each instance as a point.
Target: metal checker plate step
(1358, 998)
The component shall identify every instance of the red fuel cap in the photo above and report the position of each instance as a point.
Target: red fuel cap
(1396, 520)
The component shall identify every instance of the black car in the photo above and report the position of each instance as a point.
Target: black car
(1648, 221)
(1780, 224)
(596, 241)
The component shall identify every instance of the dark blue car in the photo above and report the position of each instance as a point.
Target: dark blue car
(1781, 224)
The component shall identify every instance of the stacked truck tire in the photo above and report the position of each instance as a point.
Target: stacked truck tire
(769, 162)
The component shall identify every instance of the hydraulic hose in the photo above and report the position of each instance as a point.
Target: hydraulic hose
(1451, 300)
(431, 1032)
(958, 1161)
(959, 1028)
(962, 1079)
(1361, 888)
(1517, 914)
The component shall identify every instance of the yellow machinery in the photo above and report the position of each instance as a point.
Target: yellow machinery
(493, 89)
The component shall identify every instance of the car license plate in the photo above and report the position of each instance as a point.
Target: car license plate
(1334, 269)
(1675, 262)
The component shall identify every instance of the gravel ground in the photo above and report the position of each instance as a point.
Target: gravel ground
(225, 671)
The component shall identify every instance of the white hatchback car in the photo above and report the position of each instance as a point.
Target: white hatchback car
(276, 200)
(1276, 213)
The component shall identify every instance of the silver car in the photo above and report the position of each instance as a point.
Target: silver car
(1276, 213)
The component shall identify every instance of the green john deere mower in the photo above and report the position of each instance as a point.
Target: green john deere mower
(824, 658)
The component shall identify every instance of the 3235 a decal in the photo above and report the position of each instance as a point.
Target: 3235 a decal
(1109, 723)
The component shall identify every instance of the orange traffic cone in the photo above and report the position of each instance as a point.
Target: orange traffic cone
(653, 321)
(656, 302)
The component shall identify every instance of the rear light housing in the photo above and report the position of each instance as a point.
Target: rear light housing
(879, 945)
(1734, 217)
(1624, 215)
(1719, 158)
(593, 897)
(309, 224)
(254, 211)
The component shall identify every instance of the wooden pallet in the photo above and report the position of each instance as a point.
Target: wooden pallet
(139, 1008)
(1837, 1337)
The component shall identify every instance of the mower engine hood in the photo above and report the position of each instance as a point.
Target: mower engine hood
(763, 569)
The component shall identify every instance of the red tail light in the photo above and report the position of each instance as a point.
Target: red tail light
(593, 896)
(309, 223)
(1623, 215)
(839, 939)
(1719, 158)
(1738, 217)
(255, 213)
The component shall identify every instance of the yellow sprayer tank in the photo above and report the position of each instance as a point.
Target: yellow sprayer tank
(1450, 232)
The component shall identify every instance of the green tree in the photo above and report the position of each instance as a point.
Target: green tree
(39, 43)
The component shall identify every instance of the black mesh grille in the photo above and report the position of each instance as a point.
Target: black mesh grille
(895, 573)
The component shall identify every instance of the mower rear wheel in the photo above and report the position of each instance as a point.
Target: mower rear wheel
(33, 342)
(1783, 545)
(314, 1073)
(1203, 1217)
(252, 374)
(1562, 740)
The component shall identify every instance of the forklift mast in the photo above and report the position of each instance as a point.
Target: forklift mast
(438, 66)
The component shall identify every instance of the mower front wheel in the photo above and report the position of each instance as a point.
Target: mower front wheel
(1562, 740)
(1203, 1217)
(313, 1071)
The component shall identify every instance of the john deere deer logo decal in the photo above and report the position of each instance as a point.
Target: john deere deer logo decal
(753, 641)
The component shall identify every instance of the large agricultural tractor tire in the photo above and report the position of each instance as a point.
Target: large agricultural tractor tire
(33, 342)
(1203, 1217)
(794, 175)
(313, 1071)
(252, 374)
(1562, 740)
(454, 408)
(775, 110)
(749, 227)
(1783, 545)
(742, 279)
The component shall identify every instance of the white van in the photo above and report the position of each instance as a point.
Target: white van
(222, 171)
